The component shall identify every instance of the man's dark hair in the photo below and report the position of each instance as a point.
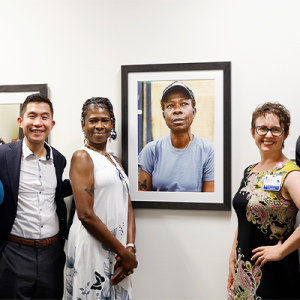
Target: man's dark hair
(38, 97)
(1, 142)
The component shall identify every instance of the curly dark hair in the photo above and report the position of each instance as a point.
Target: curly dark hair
(274, 108)
(104, 103)
(1, 142)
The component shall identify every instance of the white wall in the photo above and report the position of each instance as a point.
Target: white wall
(78, 47)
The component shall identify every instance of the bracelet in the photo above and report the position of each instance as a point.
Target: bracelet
(131, 245)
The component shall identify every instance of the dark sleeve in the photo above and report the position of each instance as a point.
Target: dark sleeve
(1, 192)
(66, 184)
(67, 188)
(71, 216)
(298, 151)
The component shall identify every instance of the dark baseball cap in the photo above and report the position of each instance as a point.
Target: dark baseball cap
(178, 84)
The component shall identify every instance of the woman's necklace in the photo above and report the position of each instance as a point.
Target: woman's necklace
(101, 152)
(110, 160)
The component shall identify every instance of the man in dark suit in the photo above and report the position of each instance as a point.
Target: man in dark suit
(33, 212)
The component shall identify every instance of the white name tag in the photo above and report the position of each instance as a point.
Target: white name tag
(272, 183)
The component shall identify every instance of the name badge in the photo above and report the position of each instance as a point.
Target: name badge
(272, 183)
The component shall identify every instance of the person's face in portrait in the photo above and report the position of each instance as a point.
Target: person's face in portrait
(269, 143)
(97, 126)
(178, 112)
(37, 122)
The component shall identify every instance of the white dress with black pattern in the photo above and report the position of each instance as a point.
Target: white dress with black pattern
(90, 264)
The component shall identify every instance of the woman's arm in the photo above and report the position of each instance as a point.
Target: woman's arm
(145, 181)
(131, 218)
(232, 263)
(130, 239)
(131, 225)
(121, 273)
(290, 191)
(82, 178)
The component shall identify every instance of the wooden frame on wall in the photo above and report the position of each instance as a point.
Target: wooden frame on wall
(220, 72)
(18, 94)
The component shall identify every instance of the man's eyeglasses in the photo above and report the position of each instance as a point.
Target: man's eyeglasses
(263, 130)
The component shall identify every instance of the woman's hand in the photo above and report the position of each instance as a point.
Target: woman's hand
(232, 263)
(268, 253)
(128, 260)
(119, 276)
(230, 276)
(231, 273)
(122, 272)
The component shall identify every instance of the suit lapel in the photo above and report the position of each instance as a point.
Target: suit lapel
(13, 159)
(57, 170)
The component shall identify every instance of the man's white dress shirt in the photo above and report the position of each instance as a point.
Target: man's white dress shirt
(36, 213)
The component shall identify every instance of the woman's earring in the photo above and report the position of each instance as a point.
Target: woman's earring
(113, 134)
(84, 138)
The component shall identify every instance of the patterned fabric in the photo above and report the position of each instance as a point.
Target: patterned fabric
(90, 264)
(263, 218)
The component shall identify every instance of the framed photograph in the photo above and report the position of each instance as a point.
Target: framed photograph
(11, 97)
(143, 122)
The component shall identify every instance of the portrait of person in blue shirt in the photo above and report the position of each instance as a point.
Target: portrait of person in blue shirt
(180, 161)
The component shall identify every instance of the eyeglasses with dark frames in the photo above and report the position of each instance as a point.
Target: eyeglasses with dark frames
(263, 130)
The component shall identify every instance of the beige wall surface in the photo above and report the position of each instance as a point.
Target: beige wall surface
(77, 47)
(9, 128)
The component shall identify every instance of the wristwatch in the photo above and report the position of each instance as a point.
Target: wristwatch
(131, 245)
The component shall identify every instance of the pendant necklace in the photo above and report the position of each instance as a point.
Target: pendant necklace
(101, 152)
(110, 160)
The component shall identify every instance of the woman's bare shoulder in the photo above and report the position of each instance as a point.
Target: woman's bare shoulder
(80, 156)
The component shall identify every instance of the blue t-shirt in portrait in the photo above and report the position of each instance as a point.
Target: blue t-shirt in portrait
(1, 192)
(178, 170)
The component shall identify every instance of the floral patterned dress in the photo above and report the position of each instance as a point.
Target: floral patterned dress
(263, 217)
(90, 264)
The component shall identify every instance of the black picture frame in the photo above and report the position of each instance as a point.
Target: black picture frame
(130, 75)
(24, 88)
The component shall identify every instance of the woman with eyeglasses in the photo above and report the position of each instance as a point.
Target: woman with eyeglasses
(264, 262)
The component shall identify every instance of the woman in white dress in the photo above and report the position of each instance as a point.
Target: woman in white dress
(101, 244)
